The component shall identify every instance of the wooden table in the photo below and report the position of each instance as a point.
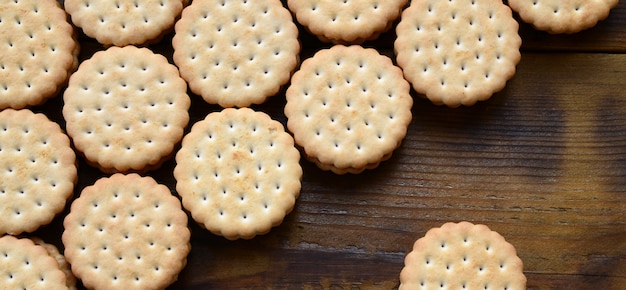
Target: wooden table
(543, 162)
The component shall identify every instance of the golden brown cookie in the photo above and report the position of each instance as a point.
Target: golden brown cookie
(348, 108)
(457, 52)
(346, 21)
(124, 22)
(462, 256)
(125, 109)
(37, 171)
(236, 53)
(238, 173)
(37, 51)
(24, 265)
(53, 251)
(562, 16)
(126, 232)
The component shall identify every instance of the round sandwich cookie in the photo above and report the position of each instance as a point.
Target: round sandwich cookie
(462, 256)
(562, 16)
(238, 173)
(126, 232)
(457, 52)
(349, 108)
(53, 251)
(37, 171)
(125, 22)
(346, 21)
(236, 53)
(126, 109)
(38, 52)
(25, 265)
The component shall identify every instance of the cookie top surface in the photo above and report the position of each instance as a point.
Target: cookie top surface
(126, 108)
(457, 52)
(238, 173)
(37, 51)
(24, 265)
(37, 170)
(348, 107)
(126, 232)
(462, 256)
(562, 16)
(346, 21)
(235, 53)
(124, 22)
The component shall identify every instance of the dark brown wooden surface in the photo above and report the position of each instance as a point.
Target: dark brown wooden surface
(543, 162)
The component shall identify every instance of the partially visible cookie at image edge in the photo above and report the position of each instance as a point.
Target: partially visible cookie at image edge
(53, 251)
(348, 21)
(38, 52)
(562, 16)
(121, 23)
(457, 52)
(236, 53)
(37, 170)
(462, 256)
(126, 231)
(25, 265)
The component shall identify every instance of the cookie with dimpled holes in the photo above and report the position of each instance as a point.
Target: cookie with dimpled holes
(238, 173)
(348, 107)
(53, 251)
(25, 265)
(457, 52)
(462, 256)
(38, 52)
(125, 109)
(37, 171)
(562, 16)
(125, 22)
(126, 232)
(236, 53)
(346, 21)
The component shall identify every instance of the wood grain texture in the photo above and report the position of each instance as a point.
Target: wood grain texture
(543, 163)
